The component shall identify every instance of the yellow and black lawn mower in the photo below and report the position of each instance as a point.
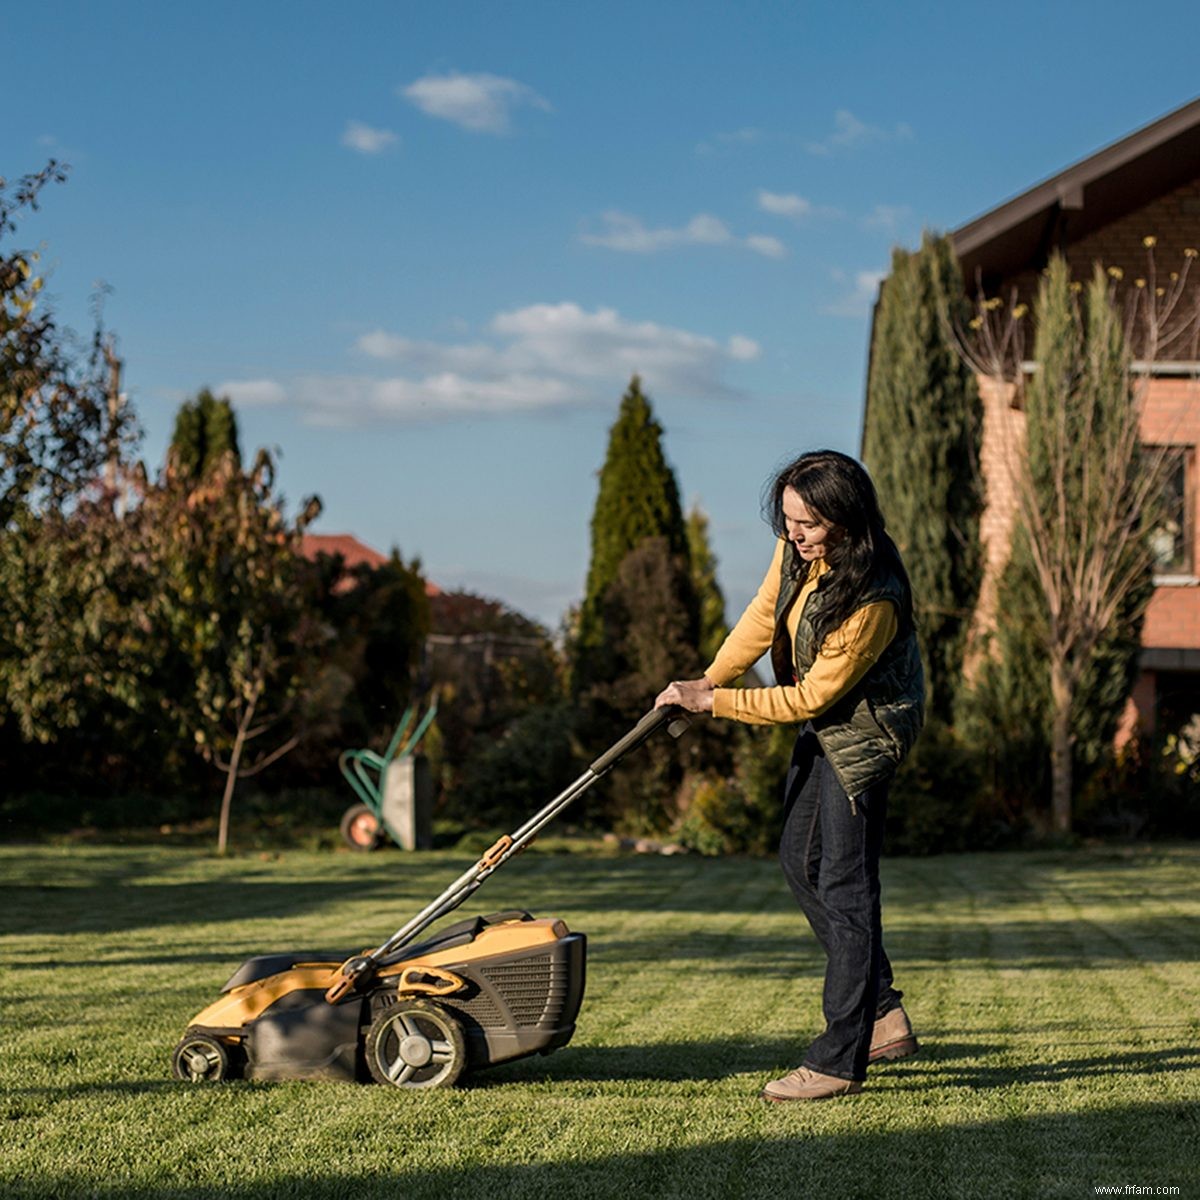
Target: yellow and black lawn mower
(414, 1014)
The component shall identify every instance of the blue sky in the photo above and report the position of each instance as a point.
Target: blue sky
(424, 246)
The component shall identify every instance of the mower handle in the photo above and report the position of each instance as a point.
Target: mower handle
(357, 971)
(656, 717)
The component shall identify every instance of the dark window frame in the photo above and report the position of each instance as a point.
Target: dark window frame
(1183, 564)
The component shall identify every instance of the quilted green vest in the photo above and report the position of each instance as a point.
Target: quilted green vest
(866, 734)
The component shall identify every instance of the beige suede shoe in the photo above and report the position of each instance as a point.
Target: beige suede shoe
(803, 1084)
(892, 1038)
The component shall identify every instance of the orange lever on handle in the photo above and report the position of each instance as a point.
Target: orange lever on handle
(353, 969)
(495, 853)
(340, 989)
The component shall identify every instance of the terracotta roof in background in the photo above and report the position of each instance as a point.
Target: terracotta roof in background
(354, 553)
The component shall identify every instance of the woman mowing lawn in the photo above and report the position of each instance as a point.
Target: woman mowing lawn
(835, 611)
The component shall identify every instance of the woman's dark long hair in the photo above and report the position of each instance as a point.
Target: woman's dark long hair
(839, 493)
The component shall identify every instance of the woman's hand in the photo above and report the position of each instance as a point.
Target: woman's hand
(693, 694)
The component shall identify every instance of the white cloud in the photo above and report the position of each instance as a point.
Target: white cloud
(541, 358)
(738, 137)
(367, 140)
(860, 298)
(252, 393)
(346, 401)
(482, 103)
(793, 207)
(849, 131)
(602, 345)
(428, 356)
(630, 234)
(784, 205)
(887, 217)
(743, 348)
(769, 247)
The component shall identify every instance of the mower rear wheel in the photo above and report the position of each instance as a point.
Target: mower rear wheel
(360, 828)
(199, 1058)
(416, 1044)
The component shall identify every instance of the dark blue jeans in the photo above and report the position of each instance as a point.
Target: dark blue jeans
(830, 854)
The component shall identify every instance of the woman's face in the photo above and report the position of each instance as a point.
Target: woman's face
(811, 536)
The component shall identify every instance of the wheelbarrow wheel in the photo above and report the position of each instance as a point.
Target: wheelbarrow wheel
(416, 1044)
(360, 828)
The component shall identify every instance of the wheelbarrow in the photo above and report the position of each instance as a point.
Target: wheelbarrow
(386, 784)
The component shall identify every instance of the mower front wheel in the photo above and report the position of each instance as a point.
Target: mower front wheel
(360, 828)
(199, 1058)
(416, 1044)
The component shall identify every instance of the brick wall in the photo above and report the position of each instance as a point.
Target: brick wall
(1171, 416)
(1173, 219)
(1170, 405)
(1002, 447)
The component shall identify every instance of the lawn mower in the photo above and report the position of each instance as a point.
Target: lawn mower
(478, 992)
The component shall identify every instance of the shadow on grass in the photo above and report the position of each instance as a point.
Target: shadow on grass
(98, 892)
(1125, 1064)
(230, 959)
(112, 908)
(939, 1065)
(1061, 1154)
(1029, 945)
(716, 1058)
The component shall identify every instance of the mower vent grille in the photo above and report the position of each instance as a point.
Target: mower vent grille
(528, 987)
(482, 1008)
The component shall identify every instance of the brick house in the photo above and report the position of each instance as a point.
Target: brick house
(1101, 209)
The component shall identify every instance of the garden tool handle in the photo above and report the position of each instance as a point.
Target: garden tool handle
(353, 970)
(343, 987)
(655, 718)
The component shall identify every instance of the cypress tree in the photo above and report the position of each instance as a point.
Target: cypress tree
(638, 499)
(921, 444)
(650, 637)
(205, 432)
(639, 622)
(713, 629)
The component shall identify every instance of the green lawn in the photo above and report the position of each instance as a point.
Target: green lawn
(1057, 996)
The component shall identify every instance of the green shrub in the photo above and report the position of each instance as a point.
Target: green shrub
(714, 819)
(739, 813)
(1146, 789)
(509, 778)
(933, 803)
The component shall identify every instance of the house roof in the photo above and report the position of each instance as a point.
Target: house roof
(1122, 177)
(353, 552)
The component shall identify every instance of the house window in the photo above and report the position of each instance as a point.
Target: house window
(1171, 539)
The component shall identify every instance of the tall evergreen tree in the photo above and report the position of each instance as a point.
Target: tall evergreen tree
(713, 629)
(651, 631)
(640, 620)
(638, 499)
(921, 445)
(1087, 496)
(206, 431)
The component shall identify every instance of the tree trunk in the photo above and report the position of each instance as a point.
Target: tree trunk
(1061, 694)
(231, 776)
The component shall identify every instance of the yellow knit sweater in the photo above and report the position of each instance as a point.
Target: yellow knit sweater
(844, 658)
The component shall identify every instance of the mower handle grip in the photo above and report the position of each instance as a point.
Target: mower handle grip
(655, 718)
